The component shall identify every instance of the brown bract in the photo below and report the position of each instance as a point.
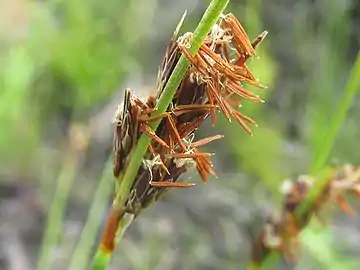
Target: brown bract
(281, 231)
(213, 83)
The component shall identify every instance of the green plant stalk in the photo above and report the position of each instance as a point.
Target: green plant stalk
(102, 258)
(351, 89)
(208, 20)
(56, 211)
(81, 254)
(352, 86)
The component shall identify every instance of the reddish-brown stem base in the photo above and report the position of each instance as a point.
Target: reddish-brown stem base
(108, 242)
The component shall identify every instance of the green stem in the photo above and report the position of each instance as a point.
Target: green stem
(101, 260)
(353, 85)
(82, 252)
(351, 89)
(208, 20)
(210, 17)
(56, 212)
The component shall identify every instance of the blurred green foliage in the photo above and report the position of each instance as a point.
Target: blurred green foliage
(74, 57)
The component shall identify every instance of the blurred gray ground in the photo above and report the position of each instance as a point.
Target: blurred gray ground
(311, 47)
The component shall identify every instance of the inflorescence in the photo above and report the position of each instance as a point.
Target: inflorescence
(281, 231)
(213, 83)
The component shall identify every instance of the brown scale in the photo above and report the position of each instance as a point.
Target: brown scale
(126, 128)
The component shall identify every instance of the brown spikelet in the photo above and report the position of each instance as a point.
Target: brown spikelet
(213, 83)
(125, 134)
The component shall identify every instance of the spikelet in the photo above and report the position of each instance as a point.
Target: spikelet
(281, 230)
(213, 83)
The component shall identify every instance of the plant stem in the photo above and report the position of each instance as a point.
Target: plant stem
(81, 254)
(101, 259)
(56, 211)
(353, 85)
(208, 20)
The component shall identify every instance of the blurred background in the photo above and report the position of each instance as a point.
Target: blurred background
(64, 65)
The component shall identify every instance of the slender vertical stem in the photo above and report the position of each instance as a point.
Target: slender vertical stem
(56, 212)
(352, 87)
(81, 255)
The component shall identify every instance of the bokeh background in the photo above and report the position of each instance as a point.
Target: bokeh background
(64, 65)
